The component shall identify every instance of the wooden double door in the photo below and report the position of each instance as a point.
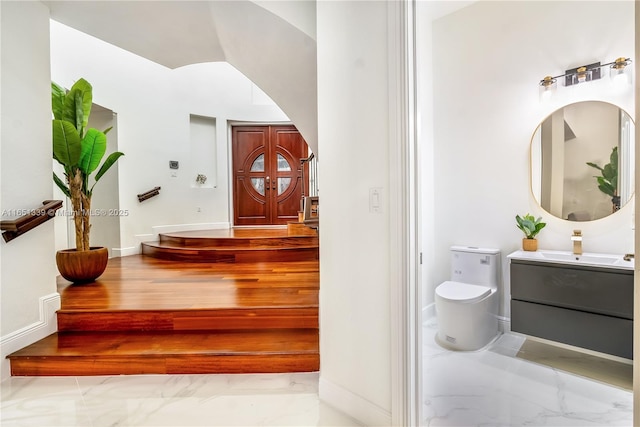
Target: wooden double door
(267, 174)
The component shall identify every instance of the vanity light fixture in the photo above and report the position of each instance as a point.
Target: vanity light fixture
(618, 72)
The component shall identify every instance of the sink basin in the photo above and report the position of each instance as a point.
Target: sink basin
(590, 259)
(566, 257)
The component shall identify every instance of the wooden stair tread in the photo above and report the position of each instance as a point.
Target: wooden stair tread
(189, 320)
(227, 248)
(234, 245)
(239, 255)
(139, 282)
(127, 353)
(96, 344)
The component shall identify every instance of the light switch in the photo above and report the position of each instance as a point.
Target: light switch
(375, 200)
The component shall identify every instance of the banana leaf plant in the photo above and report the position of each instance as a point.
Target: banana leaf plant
(79, 150)
(608, 181)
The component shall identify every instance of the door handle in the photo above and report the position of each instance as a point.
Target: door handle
(268, 185)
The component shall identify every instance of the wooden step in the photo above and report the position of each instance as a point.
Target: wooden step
(130, 353)
(189, 320)
(229, 254)
(248, 238)
(234, 245)
(300, 229)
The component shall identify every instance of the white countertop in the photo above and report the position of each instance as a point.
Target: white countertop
(615, 261)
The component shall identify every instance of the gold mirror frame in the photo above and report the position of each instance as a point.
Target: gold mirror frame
(571, 148)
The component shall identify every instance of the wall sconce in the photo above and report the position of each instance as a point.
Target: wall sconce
(619, 75)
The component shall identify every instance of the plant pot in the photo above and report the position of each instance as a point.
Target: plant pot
(530, 245)
(83, 266)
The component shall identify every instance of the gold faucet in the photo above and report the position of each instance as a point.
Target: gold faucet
(577, 242)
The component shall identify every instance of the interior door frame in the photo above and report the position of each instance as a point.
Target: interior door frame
(230, 172)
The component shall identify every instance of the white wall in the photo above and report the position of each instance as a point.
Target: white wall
(488, 59)
(27, 263)
(154, 105)
(353, 123)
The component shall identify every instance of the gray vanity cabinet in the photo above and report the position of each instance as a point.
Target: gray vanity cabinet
(588, 307)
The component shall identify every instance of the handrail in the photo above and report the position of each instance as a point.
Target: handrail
(308, 159)
(149, 194)
(302, 162)
(30, 220)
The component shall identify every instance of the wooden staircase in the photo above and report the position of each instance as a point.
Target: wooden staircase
(253, 310)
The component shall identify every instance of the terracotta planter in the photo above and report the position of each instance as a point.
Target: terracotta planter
(530, 245)
(84, 266)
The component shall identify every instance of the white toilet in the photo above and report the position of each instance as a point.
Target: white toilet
(467, 305)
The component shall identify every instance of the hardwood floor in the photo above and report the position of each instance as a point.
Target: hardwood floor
(149, 315)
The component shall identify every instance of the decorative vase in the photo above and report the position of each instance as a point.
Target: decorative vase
(83, 266)
(530, 245)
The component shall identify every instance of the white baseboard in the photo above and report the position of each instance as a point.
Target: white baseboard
(47, 325)
(428, 311)
(504, 324)
(158, 229)
(118, 252)
(362, 410)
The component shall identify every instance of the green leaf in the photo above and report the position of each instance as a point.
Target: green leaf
(58, 94)
(613, 158)
(113, 157)
(609, 173)
(77, 105)
(593, 165)
(66, 143)
(94, 145)
(61, 185)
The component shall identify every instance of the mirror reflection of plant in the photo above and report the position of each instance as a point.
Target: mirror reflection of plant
(608, 181)
(530, 225)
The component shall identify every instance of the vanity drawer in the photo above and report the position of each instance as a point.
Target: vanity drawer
(605, 334)
(593, 290)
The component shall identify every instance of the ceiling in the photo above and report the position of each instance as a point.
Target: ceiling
(170, 33)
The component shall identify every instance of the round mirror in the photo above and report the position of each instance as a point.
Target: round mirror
(582, 161)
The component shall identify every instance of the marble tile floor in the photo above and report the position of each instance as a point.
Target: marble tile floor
(493, 387)
(167, 400)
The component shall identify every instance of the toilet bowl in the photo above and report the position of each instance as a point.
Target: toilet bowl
(467, 305)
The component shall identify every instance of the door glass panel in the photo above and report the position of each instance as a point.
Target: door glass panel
(258, 164)
(258, 184)
(283, 184)
(283, 165)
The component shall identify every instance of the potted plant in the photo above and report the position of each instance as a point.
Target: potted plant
(608, 181)
(79, 150)
(530, 226)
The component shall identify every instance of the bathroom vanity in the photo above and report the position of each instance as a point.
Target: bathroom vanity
(581, 300)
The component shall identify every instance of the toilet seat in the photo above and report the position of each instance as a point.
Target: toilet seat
(462, 292)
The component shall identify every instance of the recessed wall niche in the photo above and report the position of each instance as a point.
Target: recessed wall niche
(202, 138)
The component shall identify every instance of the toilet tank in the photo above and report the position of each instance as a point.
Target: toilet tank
(477, 266)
